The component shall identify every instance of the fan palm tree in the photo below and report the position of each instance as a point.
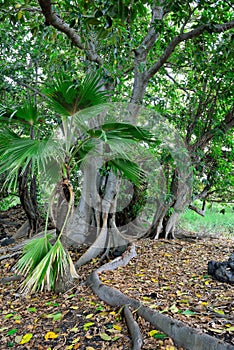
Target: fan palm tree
(45, 264)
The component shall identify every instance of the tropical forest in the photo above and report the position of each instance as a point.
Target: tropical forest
(117, 175)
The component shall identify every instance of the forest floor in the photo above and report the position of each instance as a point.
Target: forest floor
(168, 276)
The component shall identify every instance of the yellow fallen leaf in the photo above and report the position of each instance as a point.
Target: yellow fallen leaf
(216, 330)
(204, 303)
(51, 335)
(69, 347)
(104, 336)
(89, 316)
(221, 312)
(230, 329)
(153, 332)
(170, 347)
(7, 265)
(17, 321)
(116, 326)
(76, 340)
(154, 280)
(74, 329)
(26, 338)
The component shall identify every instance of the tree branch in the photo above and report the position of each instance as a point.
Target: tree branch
(225, 125)
(178, 84)
(53, 19)
(216, 28)
(197, 210)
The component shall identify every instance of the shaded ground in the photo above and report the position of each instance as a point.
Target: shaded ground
(169, 276)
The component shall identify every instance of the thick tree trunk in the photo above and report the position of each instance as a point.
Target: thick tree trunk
(167, 214)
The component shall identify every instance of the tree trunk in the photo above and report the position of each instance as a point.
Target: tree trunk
(167, 214)
(28, 199)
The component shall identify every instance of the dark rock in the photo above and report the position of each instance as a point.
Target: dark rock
(222, 271)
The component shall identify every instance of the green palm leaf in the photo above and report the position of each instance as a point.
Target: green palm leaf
(122, 131)
(26, 114)
(17, 153)
(128, 169)
(55, 263)
(68, 97)
(33, 253)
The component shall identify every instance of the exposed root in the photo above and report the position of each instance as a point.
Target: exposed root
(96, 248)
(122, 260)
(183, 335)
(10, 279)
(134, 329)
(8, 256)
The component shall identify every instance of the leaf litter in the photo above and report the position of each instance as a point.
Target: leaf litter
(168, 276)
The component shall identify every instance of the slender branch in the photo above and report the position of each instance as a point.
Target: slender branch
(28, 9)
(178, 84)
(225, 125)
(53, 19)
(197, 210)
(215, 28)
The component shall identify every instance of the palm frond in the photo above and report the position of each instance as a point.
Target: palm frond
(33, 253)
(127, 131)
(68, 97)
(128, 169)
(17, 153)
(90, 92)
(55, 263)
(25, 114)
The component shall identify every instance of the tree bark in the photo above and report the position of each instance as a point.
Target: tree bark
(28, 199)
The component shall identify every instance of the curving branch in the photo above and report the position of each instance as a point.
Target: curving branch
(53, 19)
(215, 28)
(225, 125)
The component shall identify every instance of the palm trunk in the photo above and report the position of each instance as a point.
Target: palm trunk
(28, 199)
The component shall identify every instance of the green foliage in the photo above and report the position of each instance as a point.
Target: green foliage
(67, 96)
(33, 253)
(43, 264)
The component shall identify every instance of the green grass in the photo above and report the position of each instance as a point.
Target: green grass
(214, 222)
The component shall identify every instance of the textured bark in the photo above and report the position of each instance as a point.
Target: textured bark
(163, 225)
(103, 239)
(134, 329)
(28, 199)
